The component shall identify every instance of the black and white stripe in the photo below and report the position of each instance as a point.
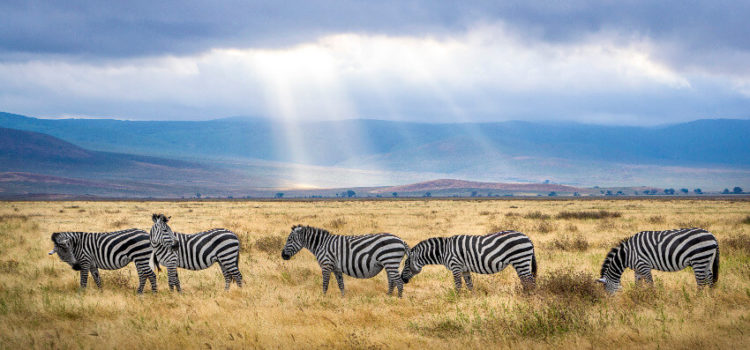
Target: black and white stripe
(671, 250)
(89, 252)
(196, 251)
(464, 254)
(362, 256)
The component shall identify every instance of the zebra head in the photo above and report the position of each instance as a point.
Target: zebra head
(63, 246)
(161, 234)
(425, 252)
(293, 243)
(612, 268)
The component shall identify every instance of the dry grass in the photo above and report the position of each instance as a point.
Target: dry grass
(282, 306)
(599, 214)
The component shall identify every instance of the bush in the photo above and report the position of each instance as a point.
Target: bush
(746, 220)
(572, 285)
(739, 242)
(537, 215)
(270, 244)
(601, 214)
(577, 243)
(544, 227)
(337, 223)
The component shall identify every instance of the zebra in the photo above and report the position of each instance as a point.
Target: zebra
(360, 256)
(464, 254)
(194, 251)
(88, 252)
(671, 250)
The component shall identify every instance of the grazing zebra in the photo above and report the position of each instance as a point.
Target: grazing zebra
(362, 256)
(194, 251)
(671, 250)
(464, 254)
(89, 252)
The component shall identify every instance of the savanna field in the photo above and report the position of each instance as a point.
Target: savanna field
(281, 304)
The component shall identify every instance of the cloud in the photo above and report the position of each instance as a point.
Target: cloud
(606, 62)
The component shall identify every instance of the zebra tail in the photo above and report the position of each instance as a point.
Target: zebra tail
(715, 268)
(533, 265)
(408, 250)
(153, 263)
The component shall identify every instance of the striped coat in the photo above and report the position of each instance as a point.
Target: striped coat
(361, 256)
(464, 254)
(671, 250)
(88, 252)
(196, 251)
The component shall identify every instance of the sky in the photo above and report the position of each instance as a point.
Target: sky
(603, 62)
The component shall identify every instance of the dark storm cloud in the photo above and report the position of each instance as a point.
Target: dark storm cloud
(136, 28)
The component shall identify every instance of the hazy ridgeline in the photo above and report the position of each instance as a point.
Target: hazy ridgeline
(281, 304)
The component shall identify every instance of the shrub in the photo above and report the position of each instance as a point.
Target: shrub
(572, 285)
(537, 215)
(601, 214)
(746, 220)
(337, 223)
(577, 243)
(544, 227)
(270, 244)
(739, 242)
(656, 219)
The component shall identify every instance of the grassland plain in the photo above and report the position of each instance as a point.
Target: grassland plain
(282, 305)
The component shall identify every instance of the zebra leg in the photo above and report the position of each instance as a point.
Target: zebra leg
(237, 276)
(643, 275)
(95, 273)
(394, 279)
(227, 276)
(143, 272)
(457, 279)
(467, 279)
(340, 281)
(326, 278)
(523, 270)
(174, 280)
(703, 274)
(84, 275)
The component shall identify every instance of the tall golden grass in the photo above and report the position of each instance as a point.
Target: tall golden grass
(282, 305)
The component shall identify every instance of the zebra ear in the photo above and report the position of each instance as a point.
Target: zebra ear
(602, 280)
(167, 218)
(154, 217)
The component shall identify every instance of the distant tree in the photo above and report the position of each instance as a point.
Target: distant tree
(428, 194)
(279, 195)
(395, 194)
(669, 191)
(198, 195)
(698, 191)
(726, 191)
(609, 193)
(350, 193)
(473, 193)
(546, 182)
(601, 191)
(552, 194)
(620, 193)
(684, 190)
(737, 190)
(576, 194)
(635, 193)
(230, 197)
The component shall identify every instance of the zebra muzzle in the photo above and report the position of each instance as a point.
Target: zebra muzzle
(51, 252)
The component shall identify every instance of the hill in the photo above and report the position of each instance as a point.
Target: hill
(711, 153)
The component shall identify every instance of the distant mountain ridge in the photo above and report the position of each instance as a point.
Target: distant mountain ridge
(366, 152)
(451, 184)
(710, 141)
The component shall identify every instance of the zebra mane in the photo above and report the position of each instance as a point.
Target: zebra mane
(307, 228)
(611, 254)
(163, 217)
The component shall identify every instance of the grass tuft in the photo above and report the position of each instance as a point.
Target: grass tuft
(740, 243)
(270, 244)
(582, 215)
(537, 215)
(577, 243)
(571, 285)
